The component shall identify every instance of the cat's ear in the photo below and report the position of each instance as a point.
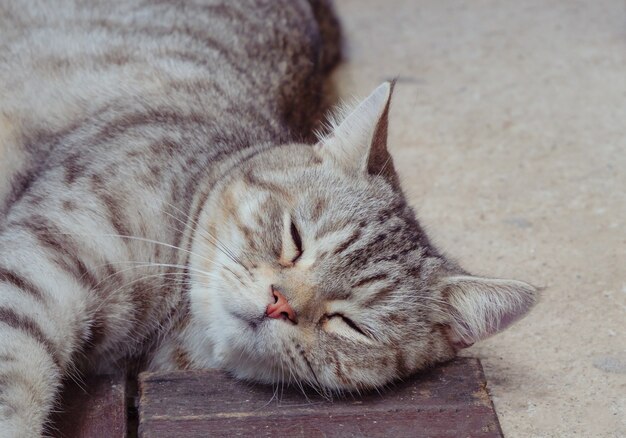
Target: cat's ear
(481, 307)
(358, 140)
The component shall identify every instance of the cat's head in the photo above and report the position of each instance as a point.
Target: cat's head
(317, 270)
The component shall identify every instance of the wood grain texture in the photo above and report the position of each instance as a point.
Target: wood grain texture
(448, 401)
(95, 409)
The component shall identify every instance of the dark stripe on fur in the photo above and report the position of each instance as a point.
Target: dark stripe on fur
(380, 295)
(31, 328)
(237, 17)
(197, 35)
(327, 227)
(64, 249)
(347, 243)
(318, 209)
(339, 372)
(7, 358)
(251, 179)
(160, 117)
(11, 277)
(74, 167)
(181, 359)
(112, 203)
(370, 279)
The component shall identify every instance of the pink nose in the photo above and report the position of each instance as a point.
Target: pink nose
(280, 308)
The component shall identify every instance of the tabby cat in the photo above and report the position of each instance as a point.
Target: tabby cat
(162, 202)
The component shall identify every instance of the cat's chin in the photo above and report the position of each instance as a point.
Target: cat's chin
(242, 362)
(251, 347)
(251, 371)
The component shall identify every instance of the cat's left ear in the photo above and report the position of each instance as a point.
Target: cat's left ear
(358, 141)
(481, 307)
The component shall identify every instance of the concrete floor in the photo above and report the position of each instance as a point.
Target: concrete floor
(508, 127)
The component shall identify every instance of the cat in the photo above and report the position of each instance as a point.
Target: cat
(163, 201)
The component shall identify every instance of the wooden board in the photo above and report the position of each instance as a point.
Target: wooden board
(448, 401)
(96, 408)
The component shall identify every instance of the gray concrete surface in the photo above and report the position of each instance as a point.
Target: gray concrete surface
(509, 130)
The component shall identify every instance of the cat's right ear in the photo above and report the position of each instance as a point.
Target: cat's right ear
(358, 137)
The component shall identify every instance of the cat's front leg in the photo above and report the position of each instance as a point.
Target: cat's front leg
(29, 378)
(41, 324)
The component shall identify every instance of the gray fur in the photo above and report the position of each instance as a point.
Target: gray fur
(149, 155)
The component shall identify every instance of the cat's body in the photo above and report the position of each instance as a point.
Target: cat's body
(153, 206)
(118, 135)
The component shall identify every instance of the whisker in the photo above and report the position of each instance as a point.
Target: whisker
(148, 264)
(206, 235)
(217, 244)
(141, 239)
(125, 285)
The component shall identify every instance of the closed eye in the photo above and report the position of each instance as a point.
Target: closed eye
(292, 242)
(297, 240)
(348, 322)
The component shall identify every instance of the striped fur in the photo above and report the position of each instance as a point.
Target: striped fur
(157, 179)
